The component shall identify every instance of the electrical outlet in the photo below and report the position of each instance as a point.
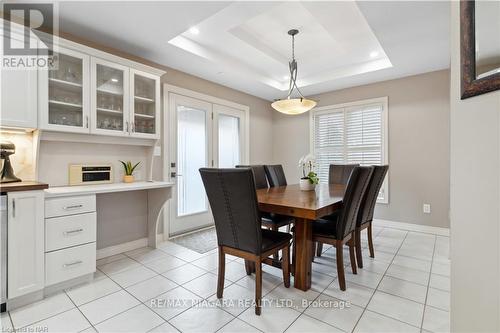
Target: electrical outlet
(427, 208)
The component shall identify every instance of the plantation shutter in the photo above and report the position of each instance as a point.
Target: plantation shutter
(349, 135)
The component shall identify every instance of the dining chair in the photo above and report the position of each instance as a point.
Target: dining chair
(233, 200)
(275, 175)
(340, 173)
(365, 216)
(269, 220)
(340, 231)
(337, 174)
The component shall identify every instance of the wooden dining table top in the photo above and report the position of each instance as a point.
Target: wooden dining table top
(290, 200)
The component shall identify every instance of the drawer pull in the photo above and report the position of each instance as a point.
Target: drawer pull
(73, 264)
(71, 232)
(72, 207)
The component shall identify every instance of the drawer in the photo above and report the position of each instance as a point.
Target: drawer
(69, 205)
(69, 263)
(66, 231)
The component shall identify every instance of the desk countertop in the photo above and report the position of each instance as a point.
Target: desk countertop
(22, 186)
(60, 191)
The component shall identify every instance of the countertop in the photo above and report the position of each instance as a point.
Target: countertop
(60, 191)
(22, 186)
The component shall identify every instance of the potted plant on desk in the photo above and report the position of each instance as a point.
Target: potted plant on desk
(309, 178)
(129, 171)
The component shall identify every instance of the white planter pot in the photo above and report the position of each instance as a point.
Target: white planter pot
(305, 185)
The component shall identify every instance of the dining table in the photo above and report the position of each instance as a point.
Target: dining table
(305, 207)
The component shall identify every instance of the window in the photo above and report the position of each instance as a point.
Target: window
(351, 133)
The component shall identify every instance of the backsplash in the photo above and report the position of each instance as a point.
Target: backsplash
(23, 160)
(55, 158)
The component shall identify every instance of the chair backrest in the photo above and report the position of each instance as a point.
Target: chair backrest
(340, 173)
(232, 197)
(368, 206)
(275, 175)
(259, 175)
(353, 197)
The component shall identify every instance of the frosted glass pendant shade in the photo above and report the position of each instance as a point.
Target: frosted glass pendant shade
(293, 105)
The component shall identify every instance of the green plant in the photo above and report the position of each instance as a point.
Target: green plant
(129, 168)
(313, 177)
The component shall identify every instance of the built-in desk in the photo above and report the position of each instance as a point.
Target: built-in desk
(158, 194)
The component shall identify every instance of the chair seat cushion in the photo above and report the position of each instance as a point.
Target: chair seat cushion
(276, 219)
(325, 227)
(272, 239)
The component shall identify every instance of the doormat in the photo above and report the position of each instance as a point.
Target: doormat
(200, 241)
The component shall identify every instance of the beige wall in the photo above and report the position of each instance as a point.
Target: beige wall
(260, 110)
(419, 116)
(475, 197)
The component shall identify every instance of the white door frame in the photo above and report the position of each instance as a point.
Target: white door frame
(167, 144)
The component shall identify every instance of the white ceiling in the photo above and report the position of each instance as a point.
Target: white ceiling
(244, 45)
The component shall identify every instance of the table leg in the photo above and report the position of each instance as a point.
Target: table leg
(303, 254)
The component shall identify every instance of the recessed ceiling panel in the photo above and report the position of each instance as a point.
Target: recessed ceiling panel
(334, 41)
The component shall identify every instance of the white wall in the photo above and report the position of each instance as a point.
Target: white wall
(475, 197)
(419, 116)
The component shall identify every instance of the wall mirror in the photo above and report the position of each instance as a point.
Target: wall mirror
(480, 47)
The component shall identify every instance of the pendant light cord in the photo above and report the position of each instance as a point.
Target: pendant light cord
(293, 73)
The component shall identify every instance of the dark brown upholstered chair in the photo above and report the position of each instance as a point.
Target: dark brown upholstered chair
(340, 173)
(269, 220)
(275, 175)
(337, 174)
(340, 232)
(365, 216)
(232, 197)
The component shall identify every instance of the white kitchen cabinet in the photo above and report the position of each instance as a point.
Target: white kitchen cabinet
(26, 237)
(110, 98)
(64, 103)
(19, 98)
(145, 105)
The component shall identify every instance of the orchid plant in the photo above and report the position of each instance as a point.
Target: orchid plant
(307, 163)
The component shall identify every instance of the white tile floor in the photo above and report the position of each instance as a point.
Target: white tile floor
(404, 289)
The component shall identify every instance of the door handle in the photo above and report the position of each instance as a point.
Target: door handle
(13, 208)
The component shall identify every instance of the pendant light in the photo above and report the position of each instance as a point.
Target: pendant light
(299, 104)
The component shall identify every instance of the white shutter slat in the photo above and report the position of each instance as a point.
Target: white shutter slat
(348, 135)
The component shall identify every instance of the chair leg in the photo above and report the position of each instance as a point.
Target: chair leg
(352, 256)
(359, 254)
(293, 255)
(286, 266)
(275, 255)
(222, 271)
(258, 287)
(370, 241)
(319, 249)
(340, 265)
(249, 267)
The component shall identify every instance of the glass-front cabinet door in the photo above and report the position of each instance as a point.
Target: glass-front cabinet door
(63, 93)
(110, 88)
(145, 91)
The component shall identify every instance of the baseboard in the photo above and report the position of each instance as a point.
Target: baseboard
(412, 227)
(124, 247)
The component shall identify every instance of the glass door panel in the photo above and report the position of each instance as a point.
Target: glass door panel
(110, 97)
(191, 156)
(144, 105)
(191, 147)
(65, 89)
(229, 141)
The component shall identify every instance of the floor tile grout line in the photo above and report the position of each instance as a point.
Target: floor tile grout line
(76, 306)
(428, 285)
(383, 275)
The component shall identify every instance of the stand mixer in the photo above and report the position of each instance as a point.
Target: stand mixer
(7, 148)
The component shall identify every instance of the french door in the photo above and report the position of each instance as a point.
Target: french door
(203, 134)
